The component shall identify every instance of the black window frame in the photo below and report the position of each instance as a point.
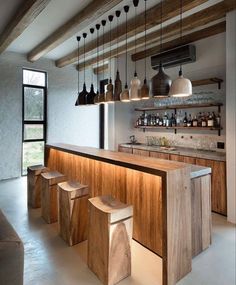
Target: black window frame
(34, 122)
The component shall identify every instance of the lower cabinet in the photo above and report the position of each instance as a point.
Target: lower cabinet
(218, 184)
(218, 176)
(125, 149)
(141, 152)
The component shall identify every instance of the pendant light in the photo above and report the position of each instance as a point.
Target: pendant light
(135, 82)
(145, 89)
(102, 92)
(161, 82)
(109, 94)
(118, 83)
(181, 87)
(96, 98)
(83, 93)
(77, 101)
(124, 96)
(91, 94)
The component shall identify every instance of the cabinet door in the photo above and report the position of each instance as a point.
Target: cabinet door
(141, 152)
(161, 155)
(189, 159)
(125, 149)
(183, 158)
(218, 184)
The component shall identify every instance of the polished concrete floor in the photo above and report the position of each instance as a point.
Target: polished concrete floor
(49, 261)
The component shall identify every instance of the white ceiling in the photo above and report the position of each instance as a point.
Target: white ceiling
(59, 12)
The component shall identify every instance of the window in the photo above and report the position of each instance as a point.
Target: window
(34, 119)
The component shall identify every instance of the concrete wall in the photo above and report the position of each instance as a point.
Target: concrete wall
(66, 123)
(230, 115)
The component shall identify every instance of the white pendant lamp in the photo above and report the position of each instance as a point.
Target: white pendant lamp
(124, 95)
(181, 87)
(135, 94)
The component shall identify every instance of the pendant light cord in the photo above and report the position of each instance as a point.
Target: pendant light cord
(103, 53)
(135, 69)
(145, 68)
(181, 32)
(84, 35)
(110, 19)
(78, 39)
(97, 27)
(126, 53)
(92, 31)
(117, 60)
(161, 27)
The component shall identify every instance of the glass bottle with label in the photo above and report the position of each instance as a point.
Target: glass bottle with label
(145, 119)
(210, 122)
(157, 119)
(189, 121)
(204, 120)
(195, 122)
(185, 120)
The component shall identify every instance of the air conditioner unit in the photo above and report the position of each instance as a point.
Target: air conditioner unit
(173, 57)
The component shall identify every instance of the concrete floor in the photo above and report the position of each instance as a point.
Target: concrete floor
(49, 261)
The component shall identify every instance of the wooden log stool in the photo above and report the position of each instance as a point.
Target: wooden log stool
(49, 197)
(73, 211)
(109, 239)
(34, 184)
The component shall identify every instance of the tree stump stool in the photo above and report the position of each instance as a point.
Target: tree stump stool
(49, 196)
(109, 239)
(34, 184)
(73, 211)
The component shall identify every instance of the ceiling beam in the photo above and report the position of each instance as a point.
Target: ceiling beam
(170, 10)
(186, 39)
(81, 20)
(24, 16)
(100, 69)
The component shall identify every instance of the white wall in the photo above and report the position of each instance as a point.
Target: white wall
(230, 115)
(210, 63)
(66, 123)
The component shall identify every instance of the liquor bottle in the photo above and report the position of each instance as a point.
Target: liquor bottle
(210, 122)
(195, 122)
(185, 120)
(178, 118)
(145, 119)
(157, 119)
(218, 120)
(149, 118)
(160, 122)
(164, 119)
(204, 120)
(199, 120)
(140, 120)
(167, 121)
(173, 120)
(189, 121)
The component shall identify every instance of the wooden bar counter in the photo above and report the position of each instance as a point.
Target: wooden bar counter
(159, 190)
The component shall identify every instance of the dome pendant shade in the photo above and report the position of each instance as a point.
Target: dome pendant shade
(118, 87)
(90, 96)
(109, 94)
(144, 90)
(181, 87)
(124, 95)
(82, 96)
(135, 89)
(161, 83)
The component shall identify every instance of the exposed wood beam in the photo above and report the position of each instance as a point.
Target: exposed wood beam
(189, 38)
(100, 69)
(195, 36)
(24, 16)
(81, 20)
(170, 10)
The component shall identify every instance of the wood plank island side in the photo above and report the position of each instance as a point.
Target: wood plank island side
(159, 191)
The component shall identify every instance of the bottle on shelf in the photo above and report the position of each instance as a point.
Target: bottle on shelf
(145, 119)
(204, 120)
(195, 122)
(165, 117)
(173, 120)
(185, 120)
(189, 121)
(160, 122)
(199, 119)
(157, 119)
(167, 121)
(210, 121)
(218, 120)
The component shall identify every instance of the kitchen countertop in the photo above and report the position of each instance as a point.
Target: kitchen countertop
(141, 163)
(206, 154)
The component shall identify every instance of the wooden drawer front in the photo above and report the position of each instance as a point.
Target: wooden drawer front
(218, 184)
(125, 149)
(159, 155)
(141, 152)
(182, 158)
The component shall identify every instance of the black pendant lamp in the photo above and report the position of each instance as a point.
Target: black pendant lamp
(96, 98)
(102, 93)
(83, 94)
(145, 89)
(91, 94)
(77, 101)
(135, 82)
(181, 87)
(118, 83)
(124, 96)
(161, 82)
(109, 94)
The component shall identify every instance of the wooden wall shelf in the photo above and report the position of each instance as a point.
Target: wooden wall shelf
(176, 128)
(208, 81)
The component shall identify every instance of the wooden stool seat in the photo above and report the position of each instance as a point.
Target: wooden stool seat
(109, 239)
(34, 184)
(73, 211)
(49, 197)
